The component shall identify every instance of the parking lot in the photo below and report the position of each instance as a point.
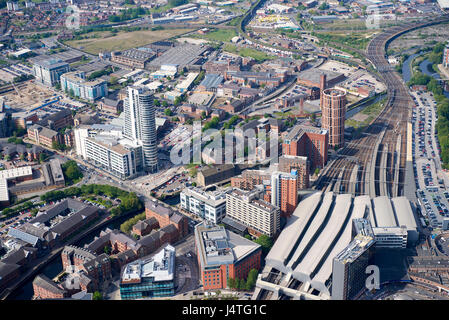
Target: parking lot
(430, 180)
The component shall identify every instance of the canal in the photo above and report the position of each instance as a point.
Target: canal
(54, 267)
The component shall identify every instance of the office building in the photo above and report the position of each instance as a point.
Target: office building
(249, 208)
(97, 268)
(224, 255)
(140, 124)
(284, 191)
(149, 277)
(49, 71)
(220, 173)
(310, 142)
(333, 110)
(165, 216)
(209, 205)
(349, 266)
(77, 83)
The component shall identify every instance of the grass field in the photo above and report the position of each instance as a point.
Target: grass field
(259, 56)
(224, 35)
(124, 40)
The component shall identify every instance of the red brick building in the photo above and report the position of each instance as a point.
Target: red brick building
(224, 258)
(45, 288)
(98, 267)
(307, 141)
(166, 216)
(333, 110)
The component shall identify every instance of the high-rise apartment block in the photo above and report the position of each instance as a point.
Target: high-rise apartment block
(248, 208)
(333, 109)
(301, 164)
(140, 124)
(284, 191)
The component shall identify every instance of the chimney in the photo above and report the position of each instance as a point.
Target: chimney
(322, 82)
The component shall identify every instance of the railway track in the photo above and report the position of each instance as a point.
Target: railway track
(380, 153)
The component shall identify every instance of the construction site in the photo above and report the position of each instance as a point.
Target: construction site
(27, 96)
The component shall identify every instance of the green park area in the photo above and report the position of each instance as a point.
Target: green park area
(259, 56)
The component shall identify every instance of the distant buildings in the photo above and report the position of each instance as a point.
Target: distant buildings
(249, 209)
(90, 90)
(133, 58)
(149, 277)
(224, 255)
(333, 110)
(49, 71)
(210, 205)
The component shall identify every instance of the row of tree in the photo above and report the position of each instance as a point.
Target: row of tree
(241, 284)
(126, 226)
(128, 200)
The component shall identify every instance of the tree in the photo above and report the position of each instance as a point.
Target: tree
(156, 102)
(107, 250)
(42, 157)
(113, 80)
(266, 242)
(231, 283)
(168, 112)
(251, 279)
(97, 296)
(164, 104)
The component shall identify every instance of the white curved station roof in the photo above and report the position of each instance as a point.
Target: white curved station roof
(321, 227)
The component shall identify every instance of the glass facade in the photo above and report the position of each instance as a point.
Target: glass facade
(147, 289)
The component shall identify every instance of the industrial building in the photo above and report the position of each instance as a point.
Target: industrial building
(318, 231)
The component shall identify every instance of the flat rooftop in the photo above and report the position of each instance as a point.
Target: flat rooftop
(160, 267)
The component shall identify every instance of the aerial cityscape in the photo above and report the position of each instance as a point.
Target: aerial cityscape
(237, 150)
